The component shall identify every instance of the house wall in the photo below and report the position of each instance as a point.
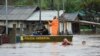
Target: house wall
(63, 27)
(69, 27)
(10, 24)
(2, 23)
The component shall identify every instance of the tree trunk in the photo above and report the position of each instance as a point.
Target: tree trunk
(52, 4)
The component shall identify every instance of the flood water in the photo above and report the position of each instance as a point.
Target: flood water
(91, 47)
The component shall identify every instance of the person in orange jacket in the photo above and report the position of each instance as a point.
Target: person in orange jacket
(54, 26)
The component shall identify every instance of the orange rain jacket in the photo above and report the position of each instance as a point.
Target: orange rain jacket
(54, 26)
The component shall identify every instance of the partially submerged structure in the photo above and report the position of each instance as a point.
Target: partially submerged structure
(25, 18)
(71, 22)
(15, 15)
(21, 22)
(75, 24)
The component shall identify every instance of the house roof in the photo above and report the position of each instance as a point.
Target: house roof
(89, 22)
(45, 15)
(69, 16)
(16, 13)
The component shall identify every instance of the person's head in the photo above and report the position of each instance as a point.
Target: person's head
(54, 17)
(83, 42)
(65, 39)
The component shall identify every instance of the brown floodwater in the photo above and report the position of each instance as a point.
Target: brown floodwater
(82, 45)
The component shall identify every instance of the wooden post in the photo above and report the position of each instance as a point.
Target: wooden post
(21, 29)
(30, 28)
(13, 34)
(66, 27)
(0, 40)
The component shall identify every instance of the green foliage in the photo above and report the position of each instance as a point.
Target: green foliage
(44, 4)
(90, 9)
(24, 2)
(70, 5)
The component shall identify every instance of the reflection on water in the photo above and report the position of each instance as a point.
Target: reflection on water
(90, 47)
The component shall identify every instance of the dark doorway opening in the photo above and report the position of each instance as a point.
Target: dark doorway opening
(75, 28)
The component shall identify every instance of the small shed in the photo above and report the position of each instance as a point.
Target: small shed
(70, 21)
(73, 23)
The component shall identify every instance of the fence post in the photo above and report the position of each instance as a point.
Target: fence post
(21, 29)
(13, 34)
(30, 29)
(0, 40)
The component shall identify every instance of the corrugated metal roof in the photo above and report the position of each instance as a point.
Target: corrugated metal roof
(16, 13)
(45, 15)
(69, 16)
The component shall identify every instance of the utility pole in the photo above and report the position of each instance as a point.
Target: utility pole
(40, 11)
(58, 15)
(6, 5)
(58, 8)
(52, 4)
(63, 13)
(63, 5)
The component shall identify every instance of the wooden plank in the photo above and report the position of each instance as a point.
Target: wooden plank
(45, 38)
(89, 22)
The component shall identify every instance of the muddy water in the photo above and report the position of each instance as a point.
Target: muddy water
(83, 45)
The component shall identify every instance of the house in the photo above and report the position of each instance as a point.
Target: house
(15, 15)
(25, 17)
(70, 22)
(74, 23)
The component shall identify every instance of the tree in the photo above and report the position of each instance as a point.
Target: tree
(72, 5)
(91, 8)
